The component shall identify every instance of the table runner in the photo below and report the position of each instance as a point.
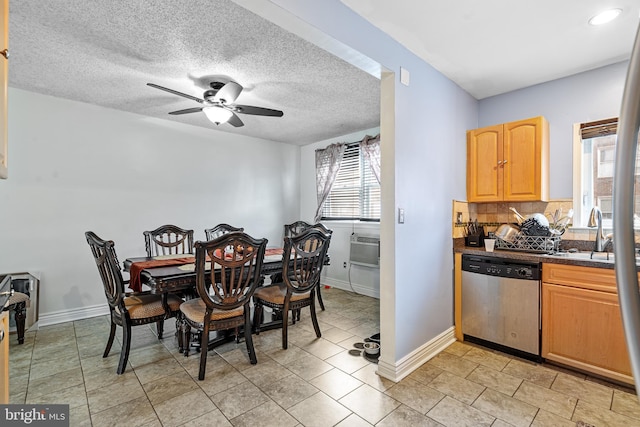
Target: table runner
(134, 270)
(273, 251)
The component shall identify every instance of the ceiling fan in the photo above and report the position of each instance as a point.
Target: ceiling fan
(218, 104)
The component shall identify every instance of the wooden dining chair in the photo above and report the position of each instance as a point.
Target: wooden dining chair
(225, 288)
(18, 303)
(127, 309)
(302, 262)
(168, 240)
(291, 230)
(219, 230)
(298, 227)
(294, 228)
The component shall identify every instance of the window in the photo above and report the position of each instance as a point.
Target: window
(606, 206)
(606, 157)
(594, 150)
(355, 194)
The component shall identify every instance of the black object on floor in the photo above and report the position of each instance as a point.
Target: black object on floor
(373, 338)
(371, 358)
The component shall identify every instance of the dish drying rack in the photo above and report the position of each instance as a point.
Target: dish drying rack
(534, 244)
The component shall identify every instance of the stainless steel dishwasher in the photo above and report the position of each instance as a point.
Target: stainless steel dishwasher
(501, 304)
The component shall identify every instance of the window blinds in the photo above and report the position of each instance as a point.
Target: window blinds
(599, 128)
(355, 193)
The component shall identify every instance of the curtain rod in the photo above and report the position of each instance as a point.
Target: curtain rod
(350, 143)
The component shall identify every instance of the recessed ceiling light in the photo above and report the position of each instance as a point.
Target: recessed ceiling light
(605, 16)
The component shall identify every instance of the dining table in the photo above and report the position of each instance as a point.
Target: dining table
(175, 273)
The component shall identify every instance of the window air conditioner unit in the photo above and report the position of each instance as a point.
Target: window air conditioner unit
(365, 250)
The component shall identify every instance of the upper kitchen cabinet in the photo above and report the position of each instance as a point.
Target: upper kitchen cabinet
(509, 162)
(4, 76)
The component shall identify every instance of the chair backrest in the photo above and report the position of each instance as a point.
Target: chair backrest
(235, 271)
(300, 226)
(219, 230)
(322, 227)
(168, 240)
(104, 254)
(303, 258)
(297, 227)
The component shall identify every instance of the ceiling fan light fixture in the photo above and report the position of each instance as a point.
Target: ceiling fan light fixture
(215, 107)
(217, 115)
(605, 16)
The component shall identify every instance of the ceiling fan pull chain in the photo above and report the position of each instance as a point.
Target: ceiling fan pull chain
(5, 53)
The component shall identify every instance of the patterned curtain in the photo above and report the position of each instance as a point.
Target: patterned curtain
(327, 166)
(370, 146)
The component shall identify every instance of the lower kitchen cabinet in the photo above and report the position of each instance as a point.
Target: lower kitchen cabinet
(581, 321)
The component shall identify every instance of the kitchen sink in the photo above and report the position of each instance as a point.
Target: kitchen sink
(596, 256)
(588, 255)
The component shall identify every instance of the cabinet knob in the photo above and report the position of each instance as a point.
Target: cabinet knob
(5, 53)
(499, 162)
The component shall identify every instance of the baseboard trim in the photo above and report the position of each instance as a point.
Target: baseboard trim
(53, 318)
(359, 289)
(47, 319)
(415, 359)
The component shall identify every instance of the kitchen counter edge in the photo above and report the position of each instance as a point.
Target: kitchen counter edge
(532, 257)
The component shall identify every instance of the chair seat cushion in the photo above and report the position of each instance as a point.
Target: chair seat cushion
(194, 310)
(144, 306)
(275, 294)
(18, 297)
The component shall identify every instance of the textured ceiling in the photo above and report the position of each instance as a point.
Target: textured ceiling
(491, 47)
(104, 53)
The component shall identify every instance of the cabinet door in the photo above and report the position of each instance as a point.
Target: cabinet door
(526, 159)
(484, 161)
(583, 328)
(4, 75)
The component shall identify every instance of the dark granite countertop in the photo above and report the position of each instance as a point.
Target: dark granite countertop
(582, 259)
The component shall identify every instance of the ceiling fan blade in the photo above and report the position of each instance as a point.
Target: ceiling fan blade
(257, 111)
(235, 121)
(186, 111)
(228, 93)
(175, 92)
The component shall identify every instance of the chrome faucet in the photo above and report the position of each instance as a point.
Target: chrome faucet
(595, 220)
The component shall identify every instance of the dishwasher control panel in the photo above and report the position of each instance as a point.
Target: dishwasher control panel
(500, 267)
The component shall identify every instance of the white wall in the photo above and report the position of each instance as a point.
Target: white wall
(589, 96)
(75, 167)
(427, 139)
(360, 279)
(427, 143)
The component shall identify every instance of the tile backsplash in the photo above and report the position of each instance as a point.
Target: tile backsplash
(491, 215)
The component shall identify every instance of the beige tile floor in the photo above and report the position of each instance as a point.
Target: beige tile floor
(313, 383)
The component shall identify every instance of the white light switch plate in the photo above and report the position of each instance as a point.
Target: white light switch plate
(400, 216)
(404, 76)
